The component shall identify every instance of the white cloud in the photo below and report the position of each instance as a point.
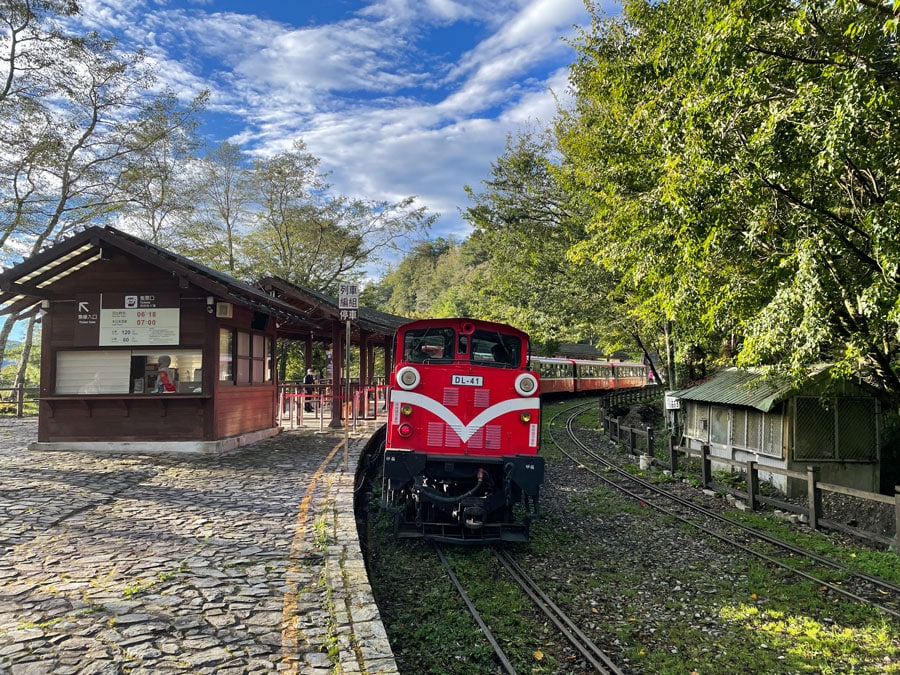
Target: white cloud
(368, 93)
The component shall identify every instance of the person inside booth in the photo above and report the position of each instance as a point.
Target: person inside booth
(165, 377)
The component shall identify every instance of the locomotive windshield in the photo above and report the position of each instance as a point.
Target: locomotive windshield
(440, 345)
(492, 348)
(434, 345)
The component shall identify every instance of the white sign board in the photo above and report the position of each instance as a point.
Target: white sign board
(139, 319)
(671, 402)
(348, 296)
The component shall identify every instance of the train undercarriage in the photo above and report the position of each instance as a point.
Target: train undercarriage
(462, 499)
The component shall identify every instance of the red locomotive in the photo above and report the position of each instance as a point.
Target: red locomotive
(460, 461)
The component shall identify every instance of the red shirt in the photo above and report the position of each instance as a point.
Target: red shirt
(164, 380)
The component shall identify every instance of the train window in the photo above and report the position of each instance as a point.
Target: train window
(549, 370)
(492, 348)
(429, 345)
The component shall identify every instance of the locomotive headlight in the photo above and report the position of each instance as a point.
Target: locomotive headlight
(408, 378)
(406, 410)
(525, 417)
(526, 384)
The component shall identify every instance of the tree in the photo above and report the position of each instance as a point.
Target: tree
(223, 207)
(73, 111)
(615, 141)
(29, 70)
(737, 164)
(157, 184)
(530, 229)
(308, 237)
(416, 284)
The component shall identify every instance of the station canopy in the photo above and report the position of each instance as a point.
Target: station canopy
(300, 313)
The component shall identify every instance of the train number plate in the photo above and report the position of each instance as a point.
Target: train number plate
(467, 380)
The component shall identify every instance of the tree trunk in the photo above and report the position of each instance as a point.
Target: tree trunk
(22, 373)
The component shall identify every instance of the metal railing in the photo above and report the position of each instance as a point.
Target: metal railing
(304, 405)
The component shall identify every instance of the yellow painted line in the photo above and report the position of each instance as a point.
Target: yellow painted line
(289, 634)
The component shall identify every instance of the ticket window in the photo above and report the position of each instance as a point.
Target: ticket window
(110, 371)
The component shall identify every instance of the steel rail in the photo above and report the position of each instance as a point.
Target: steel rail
(590, 651)
(837, 589)
(774, 541)
(498, 650)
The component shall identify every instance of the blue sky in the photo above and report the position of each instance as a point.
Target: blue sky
(395, 97)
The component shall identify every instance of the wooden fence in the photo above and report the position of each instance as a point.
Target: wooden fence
(18, 401)
(641, 441)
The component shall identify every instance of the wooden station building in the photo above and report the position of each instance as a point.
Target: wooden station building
(144, 350)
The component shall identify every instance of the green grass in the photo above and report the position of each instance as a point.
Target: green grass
(883, 564)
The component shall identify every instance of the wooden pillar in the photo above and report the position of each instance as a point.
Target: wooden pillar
(814, 496)
(363, 393)
(705, 466)
(388, 359)
(337, 378)
(308, 353)
(364, 380)
(752, 484)
(897, 518)
(48, 376)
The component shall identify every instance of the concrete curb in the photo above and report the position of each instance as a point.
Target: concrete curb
(364, 645)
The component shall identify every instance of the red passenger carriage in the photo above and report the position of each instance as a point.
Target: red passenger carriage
(557, 374)
(578, 376)
(463, 433)
(603, 375)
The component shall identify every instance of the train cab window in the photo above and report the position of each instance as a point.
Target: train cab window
(495, 349)
(429, 345)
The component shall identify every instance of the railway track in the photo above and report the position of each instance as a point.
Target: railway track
(589, 651)
(830, 574)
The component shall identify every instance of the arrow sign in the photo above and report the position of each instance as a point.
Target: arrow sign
(84, 306)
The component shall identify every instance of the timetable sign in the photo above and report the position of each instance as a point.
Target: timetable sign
(139, 319)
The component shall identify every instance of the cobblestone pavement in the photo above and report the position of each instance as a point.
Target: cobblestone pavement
(247, 563)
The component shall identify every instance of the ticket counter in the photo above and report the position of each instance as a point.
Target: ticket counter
(145, 351)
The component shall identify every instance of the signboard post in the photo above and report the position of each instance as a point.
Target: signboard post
(672, 405)
(348, 305)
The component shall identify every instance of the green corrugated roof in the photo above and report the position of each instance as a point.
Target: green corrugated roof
(734, 386)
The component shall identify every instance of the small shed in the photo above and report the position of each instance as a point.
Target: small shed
(743, 415)
(116, 312)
